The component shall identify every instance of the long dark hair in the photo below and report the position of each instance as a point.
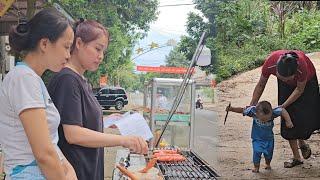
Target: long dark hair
(288, 64)
(48, 23)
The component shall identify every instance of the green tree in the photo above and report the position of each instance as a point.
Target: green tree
(242, 33)
(176, 59)
(127, 22)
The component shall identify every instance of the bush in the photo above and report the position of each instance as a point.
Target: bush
(302, 31)
(235, 60)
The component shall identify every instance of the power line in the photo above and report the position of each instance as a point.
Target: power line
(169, 5)
(175, 1)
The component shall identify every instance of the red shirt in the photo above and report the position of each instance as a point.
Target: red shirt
(305, 69)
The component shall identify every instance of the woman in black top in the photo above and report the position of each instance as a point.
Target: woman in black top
(81, 129)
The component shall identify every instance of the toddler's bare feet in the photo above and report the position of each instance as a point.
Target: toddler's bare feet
(268, 167)
(268, 162)
(255, 170)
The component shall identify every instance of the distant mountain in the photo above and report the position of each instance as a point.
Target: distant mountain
(155, 57)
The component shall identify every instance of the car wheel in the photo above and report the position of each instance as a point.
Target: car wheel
(119, 105)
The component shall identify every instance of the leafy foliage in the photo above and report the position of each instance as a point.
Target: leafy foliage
(127, 22)
(242, 33)
(304, 31)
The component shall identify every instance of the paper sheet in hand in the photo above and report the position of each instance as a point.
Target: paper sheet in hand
(107, 122)
(110, 120)
(133, 124)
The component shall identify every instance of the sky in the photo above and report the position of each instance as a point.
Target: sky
(172, 19)
(171, 24)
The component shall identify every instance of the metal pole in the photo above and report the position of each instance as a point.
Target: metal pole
(183, 84)
(145, 94)
(153, 110)
(192, 115)
(3, 56)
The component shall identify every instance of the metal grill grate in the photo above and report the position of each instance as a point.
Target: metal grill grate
(192, 168)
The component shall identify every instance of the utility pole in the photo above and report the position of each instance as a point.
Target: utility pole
(31, 8)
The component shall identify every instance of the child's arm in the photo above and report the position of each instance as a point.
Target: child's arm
(234, 109)
(286, 117)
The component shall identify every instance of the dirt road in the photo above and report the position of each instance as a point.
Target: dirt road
(234, 150)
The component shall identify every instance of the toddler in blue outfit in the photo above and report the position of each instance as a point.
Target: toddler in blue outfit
(261, 133)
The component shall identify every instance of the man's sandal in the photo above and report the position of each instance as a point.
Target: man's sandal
(292, 163)
(305, 151)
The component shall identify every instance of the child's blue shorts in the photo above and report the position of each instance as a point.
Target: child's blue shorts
(264, 147)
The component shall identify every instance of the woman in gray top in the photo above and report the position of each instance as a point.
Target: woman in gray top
(28, 119)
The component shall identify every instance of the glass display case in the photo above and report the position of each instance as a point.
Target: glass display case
(159, 97)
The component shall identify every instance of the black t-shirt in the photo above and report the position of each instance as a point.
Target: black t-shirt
(76, 104)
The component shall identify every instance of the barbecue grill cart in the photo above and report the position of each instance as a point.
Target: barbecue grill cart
(159, 96)
(200, 157)
(194, 167)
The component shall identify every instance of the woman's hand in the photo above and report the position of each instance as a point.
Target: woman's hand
(289, 124)
(115, 114)
(136, 144)
(68, 170)
(113, 126)
(286, 116)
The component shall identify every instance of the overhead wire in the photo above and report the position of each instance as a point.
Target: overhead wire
(174, 5)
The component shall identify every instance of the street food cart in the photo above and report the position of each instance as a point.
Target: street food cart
(191, 162)
(159, 94)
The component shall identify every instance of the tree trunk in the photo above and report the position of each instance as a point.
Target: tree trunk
(249, 11)
(31, 8)
(282, 20)
(283, 27)
(3, 56)
(118, 80)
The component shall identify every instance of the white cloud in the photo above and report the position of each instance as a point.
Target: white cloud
(173, 19)
(171, 24)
